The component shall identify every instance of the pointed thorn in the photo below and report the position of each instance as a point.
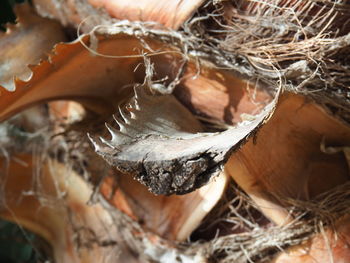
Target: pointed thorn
(132, 115)
(112, 131)
(121, 124)
(106, 142)
(123, 114)
(134, 105)
(116, 134)
(94, 143)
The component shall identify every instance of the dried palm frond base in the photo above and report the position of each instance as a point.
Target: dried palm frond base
(51, 198)
(274, 75)
(60, 214)
(236, 232)
(242, 233)
(319, 236)
(48, 199)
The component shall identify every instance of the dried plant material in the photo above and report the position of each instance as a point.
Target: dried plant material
(261, 243)
(294, 44)
(307, 41)
(27, 42)
(55, 78)
(72, 13)
(170, 217)
(86, 88)
(169, 13)
(23, 44)
(331, 245)
(282, 31)
(221, 95)
(66, 112)
(113, 72)
(33, 120)
(267, 36)
(173, 218)
(161, 144)
(294, 167)
(52, 202)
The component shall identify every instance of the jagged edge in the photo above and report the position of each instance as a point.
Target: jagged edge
(125, 123)
(34, 68)
(104, 146)
(13, 28)
(125, 126)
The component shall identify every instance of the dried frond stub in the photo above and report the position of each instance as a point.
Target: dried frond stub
(111, 75)
(161, 144)
(297, 154)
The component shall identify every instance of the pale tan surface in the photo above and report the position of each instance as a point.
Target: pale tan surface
(170, 13)
(53, 205)
(172, 217)
(286, 159)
